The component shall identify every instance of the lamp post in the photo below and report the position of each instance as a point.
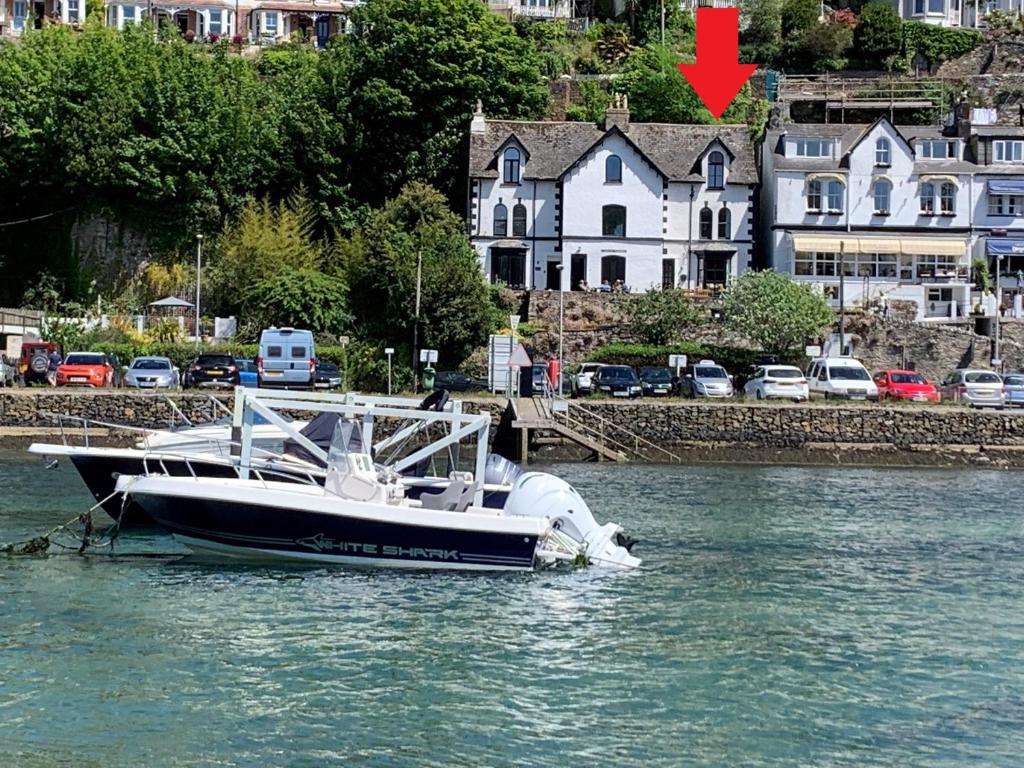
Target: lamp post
(561, 322)
(199, 278)
(842, 306)
(389, 351)
(997, 362)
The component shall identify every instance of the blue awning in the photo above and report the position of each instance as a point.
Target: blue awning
(1004, 246)
(1006, 186)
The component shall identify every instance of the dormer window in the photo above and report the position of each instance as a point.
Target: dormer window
(613, 170)
(814, 148)
(716, 170)
(936, 149)
(1008, 151)
(883, 152)
(512, 165)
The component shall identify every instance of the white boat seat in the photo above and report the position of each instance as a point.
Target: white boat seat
(355, 478)
(455, 498)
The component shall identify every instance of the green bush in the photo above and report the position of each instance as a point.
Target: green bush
(937, 44)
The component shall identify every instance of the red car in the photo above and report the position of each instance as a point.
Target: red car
(905, 385)
(87, 369)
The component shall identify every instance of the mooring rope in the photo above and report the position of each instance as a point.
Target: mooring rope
(40, 544)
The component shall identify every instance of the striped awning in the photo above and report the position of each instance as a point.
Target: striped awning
(933, 246)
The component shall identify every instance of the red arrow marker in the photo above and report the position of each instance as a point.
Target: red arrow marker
(717, 76)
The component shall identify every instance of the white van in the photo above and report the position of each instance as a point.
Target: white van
(287, 358)
(840, 377)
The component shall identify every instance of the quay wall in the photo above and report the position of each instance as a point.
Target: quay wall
(781, 425)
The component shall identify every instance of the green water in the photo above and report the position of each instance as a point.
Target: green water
(786, 617)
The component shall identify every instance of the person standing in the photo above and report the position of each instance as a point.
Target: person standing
(52, 364)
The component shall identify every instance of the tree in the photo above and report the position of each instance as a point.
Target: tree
(798, 15)
(379, 263)
(775, 311)
(300, 297)
(820, 48)
(414, 72)
(661, 316)
(658, 92)
(762, 37)
(879, 34)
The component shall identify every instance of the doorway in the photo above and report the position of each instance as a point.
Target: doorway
(553, 281)
(668, 274)
(577, 271)
(716, 270)
(323, 31)
(508, 265)
(613, 268)
(39, 9)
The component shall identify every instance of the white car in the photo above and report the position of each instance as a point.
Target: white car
(840, 378)
(786, 381)
(583, 380)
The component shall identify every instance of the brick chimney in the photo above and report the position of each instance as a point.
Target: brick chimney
(618, 113)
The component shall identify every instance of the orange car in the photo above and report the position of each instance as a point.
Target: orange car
(88, 369)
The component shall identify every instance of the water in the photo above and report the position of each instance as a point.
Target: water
(787, 617)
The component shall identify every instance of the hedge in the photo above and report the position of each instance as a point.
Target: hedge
(733, 359)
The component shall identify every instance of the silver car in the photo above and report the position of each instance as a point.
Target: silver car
(708, 379)
(975, 387)
(152, 373)
(1013, 389)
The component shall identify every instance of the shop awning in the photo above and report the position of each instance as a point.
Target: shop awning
(1004, 246)
(919, 246)
(1006, 186)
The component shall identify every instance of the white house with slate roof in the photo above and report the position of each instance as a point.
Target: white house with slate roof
(652, 205)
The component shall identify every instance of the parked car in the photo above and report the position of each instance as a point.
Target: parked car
(706, 379)
(1013, 389)
(785, 381)
(840, 378)
(656, 382)
(88, 369)
(152, 373)
(8, 372)
(213, 369)
(327, 376)
(583, 380)
(34, 360)
(905, 385)
(247, 375)
(541, 383)
(974, 387)
(287, 358)
(617, 381)
(456, 381)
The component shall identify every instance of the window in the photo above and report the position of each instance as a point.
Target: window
(724, 225)
(1009, 151)
(706, 220)
(1005, 205)
(613, 221)
(928, 199)
(668, 273)
(20, 11)
(613, 170)
(716, 170)
(814, 196)
(511, 166)
(613, 269)
(129, 14)
(274, 351)
(882, 192)
(936, 6)
(835, 197)
(813, 148)
(947, 199)
(500, 220)
(919, 7)
(936, 150)
(298, 352)
(270, 22)
(73, 9)
(882, 152)
(519, 220)
(216, 21)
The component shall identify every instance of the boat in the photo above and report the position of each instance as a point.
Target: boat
(365, 514)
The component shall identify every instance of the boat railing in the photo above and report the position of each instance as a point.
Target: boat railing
(303, 477)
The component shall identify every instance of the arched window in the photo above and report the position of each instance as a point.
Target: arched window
(947, 198)
(928, 198)
(835, 197)
(716, 170)
(519, 220)
(706, 220)
(882, 191)
(883, 154)
(724, 225)
(613, 221)
(500, 220)
(512, 157)
(814, 196)
(613, 170)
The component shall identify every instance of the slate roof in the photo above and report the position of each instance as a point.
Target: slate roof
(555, 146)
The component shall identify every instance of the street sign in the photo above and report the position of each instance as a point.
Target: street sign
(677, 361)
(389, 350)
(812, 350)
(428, 355)
(513, 322)
(344, 340)
(519, 358)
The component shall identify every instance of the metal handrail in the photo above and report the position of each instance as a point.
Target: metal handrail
(604, 438)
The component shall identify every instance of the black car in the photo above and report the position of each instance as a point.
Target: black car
(657, 382)
(454, 381)
(617, 381)
(327, 376)
(213, 370)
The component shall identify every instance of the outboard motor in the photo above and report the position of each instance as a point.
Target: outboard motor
(538, 494)
(499, 471)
